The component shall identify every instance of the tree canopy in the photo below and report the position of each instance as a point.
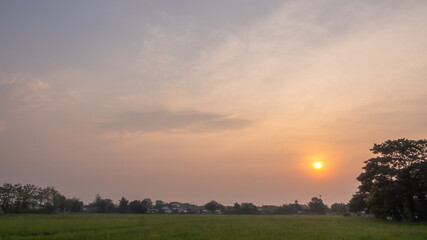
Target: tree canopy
(395, 182)
(317, 206)
(28, 198)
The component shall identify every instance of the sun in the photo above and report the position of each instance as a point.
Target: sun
(318, 165)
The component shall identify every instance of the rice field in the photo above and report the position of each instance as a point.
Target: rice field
(117, 226)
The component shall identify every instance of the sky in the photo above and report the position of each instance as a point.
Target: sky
(194, 101)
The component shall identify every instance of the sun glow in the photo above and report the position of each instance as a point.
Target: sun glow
(318, 165)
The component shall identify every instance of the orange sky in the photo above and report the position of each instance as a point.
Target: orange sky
(198, 101)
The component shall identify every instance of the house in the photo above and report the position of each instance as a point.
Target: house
(193, 209)
(166, 210)
(189, 208)
(176, 210)
(153, 210)
(175, 204)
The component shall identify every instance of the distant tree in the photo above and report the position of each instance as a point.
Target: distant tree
(395, 182)
(339, 208)
(102, 205)
(47, 199)
(297, 206)
(236, 208)
(137, 207)
(7, 197)
(61, 202)
(248, 208)
(28, 198)
(317, 206)
(289, 208)
(147, 203)
(73, 205)
(212, 206)
(159, 204)
(123, 205)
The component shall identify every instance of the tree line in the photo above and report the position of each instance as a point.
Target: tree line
(28, 198)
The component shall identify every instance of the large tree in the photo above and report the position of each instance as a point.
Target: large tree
(317, 206)
(395, 182)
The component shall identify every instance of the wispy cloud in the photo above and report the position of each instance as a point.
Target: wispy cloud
(25, 92)
(170, 121)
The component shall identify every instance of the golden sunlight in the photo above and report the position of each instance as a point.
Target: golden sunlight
(318, 165)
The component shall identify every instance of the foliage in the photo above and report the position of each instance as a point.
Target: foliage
(244, 208)
(123, 205)
(212, 206)
(339, 208)
(73, 205)
(289, 208)
(236, 208)
(137, 207)
(395, 182)
(159, 204)
(317, 206)
(29, 198)
(358, 202)
(147, 203)
(7, 197)
(102, 205)
(248, 208)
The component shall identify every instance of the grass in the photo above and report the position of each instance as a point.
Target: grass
(115, 226)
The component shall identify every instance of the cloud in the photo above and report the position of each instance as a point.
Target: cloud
(26, 92)
(169, 121)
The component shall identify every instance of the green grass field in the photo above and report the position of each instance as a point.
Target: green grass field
(99, 226)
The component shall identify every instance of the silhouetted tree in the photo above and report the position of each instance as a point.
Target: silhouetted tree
(25, 197)
(123, 205)
(60, 201)
(147, 203)
(236, 208)
(72, 205)
(46, 198)
(248, 208)
(28, 199)
(159, 204)
(289, 208)
(358, 203)
(102, 205)
(339, 208)
(137, 207)
(317, 206)
(395, 182)
(7, 197)
(212, 206)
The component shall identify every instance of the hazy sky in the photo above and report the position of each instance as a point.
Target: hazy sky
(199, 100)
